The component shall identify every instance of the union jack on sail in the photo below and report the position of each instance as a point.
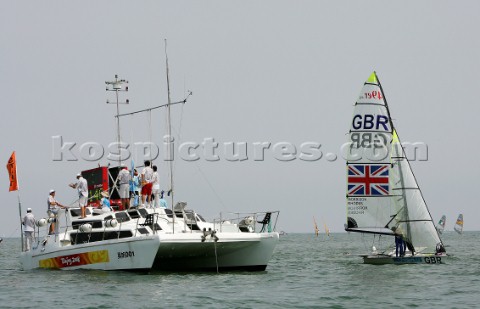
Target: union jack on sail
(368, 179)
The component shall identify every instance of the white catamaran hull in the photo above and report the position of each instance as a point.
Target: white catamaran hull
(122, 254)
(416, 259)
(185, 252)
(232, 251)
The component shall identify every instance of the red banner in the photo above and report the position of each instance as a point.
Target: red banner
(78, 259)
(12, 172)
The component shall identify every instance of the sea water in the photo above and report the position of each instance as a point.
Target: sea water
(305, 272)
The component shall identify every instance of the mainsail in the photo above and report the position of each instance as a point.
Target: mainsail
(383, 196)
(315, 226)
(441, 224)
(458, 227)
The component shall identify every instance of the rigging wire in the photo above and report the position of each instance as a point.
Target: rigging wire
(132, 123)
(211, 187)
(150, 134)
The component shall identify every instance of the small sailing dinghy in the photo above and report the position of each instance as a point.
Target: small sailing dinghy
(315, 227)
(458, 227)
(383, 197)
(441, 224)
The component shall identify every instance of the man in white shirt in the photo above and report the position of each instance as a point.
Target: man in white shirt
(52, 210)
(123, 181)
(147, 177)
(29, 227)
(82, 187)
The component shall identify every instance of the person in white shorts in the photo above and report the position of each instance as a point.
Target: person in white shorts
(52, 211)
(82, 187)
(123, 181)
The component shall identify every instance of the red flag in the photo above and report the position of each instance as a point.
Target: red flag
(12, 172)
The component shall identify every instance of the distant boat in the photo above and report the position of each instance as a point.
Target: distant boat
(459, 224)
(282, 233)
(441, 224)
(383, 196)
(327, 230)
(315, 226)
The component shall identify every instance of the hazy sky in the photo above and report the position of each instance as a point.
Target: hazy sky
(260, 71)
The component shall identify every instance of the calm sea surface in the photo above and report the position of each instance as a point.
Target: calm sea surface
(305, 272)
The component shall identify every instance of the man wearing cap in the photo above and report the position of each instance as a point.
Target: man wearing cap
(52, 210)
(123, 179)
(29, 227)
(82, 187)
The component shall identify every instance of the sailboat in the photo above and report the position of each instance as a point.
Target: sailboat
(175, 239)
(441, 224)
(383, 197)
(315, 227)
(458, 227)
(327, 230)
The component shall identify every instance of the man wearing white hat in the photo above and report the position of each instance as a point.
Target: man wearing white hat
(52, 210)
(82, 187)
(29, 227)
(123, 180)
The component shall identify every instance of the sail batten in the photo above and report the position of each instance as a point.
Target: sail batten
(377, 167)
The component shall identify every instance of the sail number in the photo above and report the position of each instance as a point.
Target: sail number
(433, 260)
(373, 95)
(369, 122)
(126, 254)
(368, 140)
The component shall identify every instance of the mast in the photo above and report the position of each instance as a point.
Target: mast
(117, 86)
(169, 132)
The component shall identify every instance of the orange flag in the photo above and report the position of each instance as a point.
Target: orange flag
(12, 172)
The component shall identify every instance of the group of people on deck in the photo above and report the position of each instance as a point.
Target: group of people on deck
(140, 190)
(134, 190)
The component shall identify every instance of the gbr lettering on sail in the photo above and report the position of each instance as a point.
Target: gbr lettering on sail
(370, 132)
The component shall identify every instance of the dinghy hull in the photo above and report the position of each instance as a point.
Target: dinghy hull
(416, 259)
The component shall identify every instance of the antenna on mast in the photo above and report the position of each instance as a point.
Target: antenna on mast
(117, 86)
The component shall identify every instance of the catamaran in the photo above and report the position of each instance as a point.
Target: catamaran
(441, 224)
(383, 197)
(171, 239)
(458, 227)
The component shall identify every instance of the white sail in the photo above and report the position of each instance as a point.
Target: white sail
(441, 224)
(382, 192)
(369, 208)
(458, 227)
